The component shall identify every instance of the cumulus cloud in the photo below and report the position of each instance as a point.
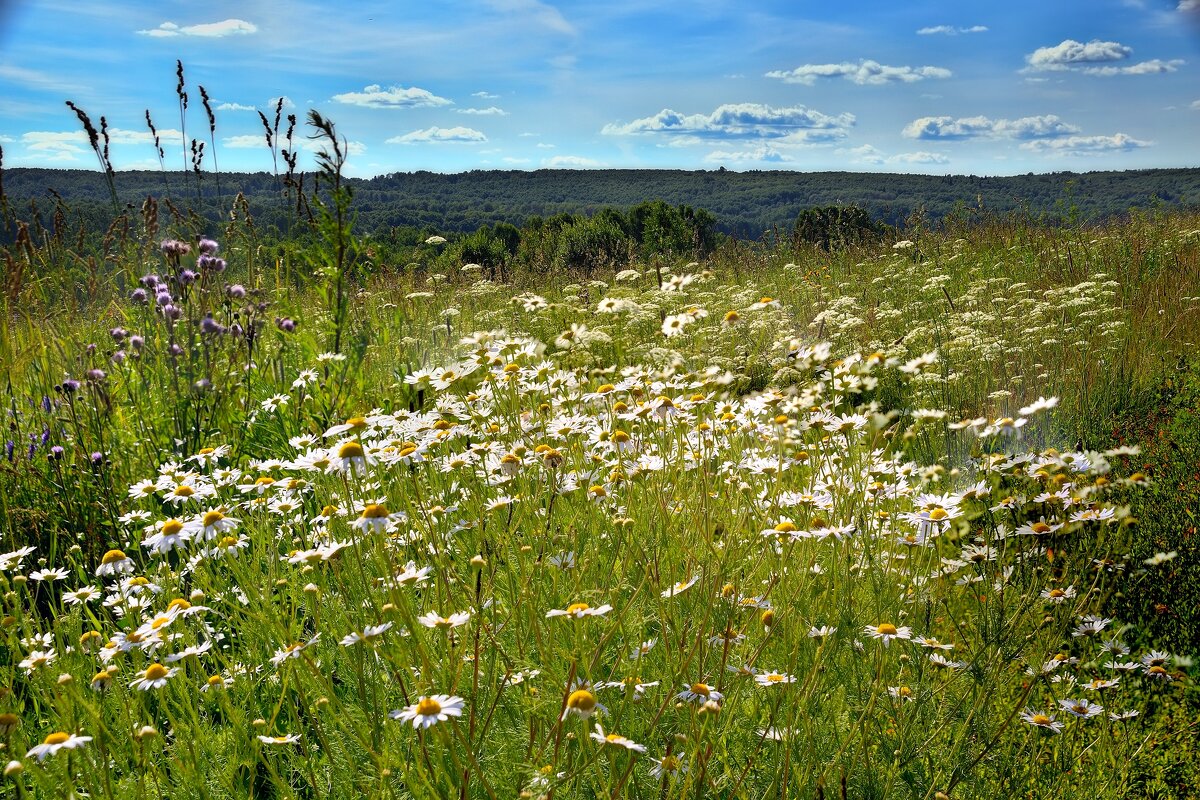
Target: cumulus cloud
(919, 157)
(490, 111)
(210, 30)
(1153, 67)
(485, 95)
(259, 140)
(1070, 53)
(376, 96)
(763, 153)
(234, 107)
(1044, 127)
(571, 162)
(1189, 5)
(66, 145)
(863, 73)
(1195, 103)
(1095, 58)
(795, 124)
(1086, 145)
(435, 135)
(950, 30)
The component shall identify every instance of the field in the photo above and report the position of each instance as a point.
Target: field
(280, 520)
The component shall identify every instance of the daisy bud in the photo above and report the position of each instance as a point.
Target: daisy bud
(65, 678)
(259, 723)
(312, 588)
(8, 621)
(710, 707)
(8, 722)
(146, 732)
(768, 618)
(478, 562)
(322, 702)
(13, 768)
(196, 596)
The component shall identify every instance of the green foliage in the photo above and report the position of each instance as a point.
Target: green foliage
(831, 227)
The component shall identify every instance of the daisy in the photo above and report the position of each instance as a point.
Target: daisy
(668, 765)
(215, 682)
(700, 693)
(887, 631)
(293, 650)
(1084, 709)
(617, 740)
(83, 594)
(368, 634)
(375, 516)
(429, 711)
(114, 562)
(154, 677)
(55, 742)
(1043, 720)
(582, 703)
(579, 611)
(211, 524)
(50, 575)
(290, 738)
(170, 534)
(412, 575)
(902, 693)
(680, 587)
(1057, 595)
(773, 678)
(38, 659)
(435, 620)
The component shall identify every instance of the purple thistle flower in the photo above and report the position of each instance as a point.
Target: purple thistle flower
(118, 357)
(136, 342)
(118, 334)
(207, 246)
(70, 385)
(163, 299)
(150, 281)
(95, 375)
(97, 459)
(285, 324)
(56, 452)
(187, 277)
(236, 291)
(210, 325)
(138, 296)
(172, 312)
(175, 350)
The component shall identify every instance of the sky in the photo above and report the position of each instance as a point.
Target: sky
(965, 87)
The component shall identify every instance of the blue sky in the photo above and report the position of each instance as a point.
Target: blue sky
(981, 88)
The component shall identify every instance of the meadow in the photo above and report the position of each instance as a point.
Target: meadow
(301, 518)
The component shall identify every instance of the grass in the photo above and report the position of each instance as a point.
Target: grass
(793, 522)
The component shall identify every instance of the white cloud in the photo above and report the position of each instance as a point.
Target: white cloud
(66, 145)
(210, 30)
(1043, 127)
(490, 111)
(6, 139)
(249, 141)
(35, 80)
(796, 124)
(1086, 145)
(375, 96)
(435, 135)
(1095, 58)
(1195, 106)
(919, 157)
(234, 107)
(1154, 67)
(950, 30)
(545, 146)
(274, 101)
(763, 153)
(862, 73)
(1188, 5)
(863, 154)
(485, 95)
(1070, 53)
(571, 162)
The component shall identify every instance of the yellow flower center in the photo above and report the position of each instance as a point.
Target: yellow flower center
(786, 527)
(180, 603)
(155, 672)
(184, 491)
(576, 608)
(113, 556)
(1057, 593)
(212, 518)
(701, 689)
(1040, 719)
(375, 511)
(671, 763)
(886, 629)
(428, 707)
(206, 451)
(58, 737)
(216, 680)
(356, 423)
(264, 481)
(1040, 527)
(774, 678)
(172, 527)
(351, 450)
(904, 691)
(227, 541)
(581, 700)
(938, 514)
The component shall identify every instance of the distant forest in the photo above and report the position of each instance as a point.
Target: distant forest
(745, 204)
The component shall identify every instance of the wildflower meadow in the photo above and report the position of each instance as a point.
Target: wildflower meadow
(300, 516)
